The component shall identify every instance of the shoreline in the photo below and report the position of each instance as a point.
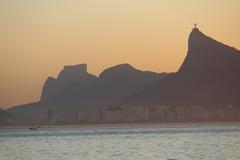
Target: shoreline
(117, 125)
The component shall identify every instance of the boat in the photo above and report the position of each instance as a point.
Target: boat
(34, 128)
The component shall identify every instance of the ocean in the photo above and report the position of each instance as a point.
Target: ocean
(123, 142)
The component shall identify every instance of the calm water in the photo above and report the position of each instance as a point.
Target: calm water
(182, 142)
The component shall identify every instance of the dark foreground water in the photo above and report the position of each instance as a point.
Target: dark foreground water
(144, 142)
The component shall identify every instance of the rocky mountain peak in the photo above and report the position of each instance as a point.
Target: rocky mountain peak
(73, 70)
(118, 70)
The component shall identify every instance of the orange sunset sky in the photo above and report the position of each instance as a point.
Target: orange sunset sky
(39, 37)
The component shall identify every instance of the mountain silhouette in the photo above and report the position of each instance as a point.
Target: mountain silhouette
(75, 90)
(209, 76)
(113, 85)
(208, 80)
(76, 74)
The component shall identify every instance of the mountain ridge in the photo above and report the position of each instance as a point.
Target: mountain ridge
(209, 69)
(205, 88)
(69, 93)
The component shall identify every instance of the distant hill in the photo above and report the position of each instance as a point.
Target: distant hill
(70, 75)
(75, 90)
(113, 85)
(209, 76)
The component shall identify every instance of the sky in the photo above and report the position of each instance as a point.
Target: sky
(39, 37)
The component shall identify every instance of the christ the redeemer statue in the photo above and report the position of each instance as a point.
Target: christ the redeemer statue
(195, 25)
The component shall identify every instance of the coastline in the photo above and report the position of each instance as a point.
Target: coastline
(126, 125)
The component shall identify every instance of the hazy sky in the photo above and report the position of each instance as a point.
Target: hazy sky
(39, 37)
